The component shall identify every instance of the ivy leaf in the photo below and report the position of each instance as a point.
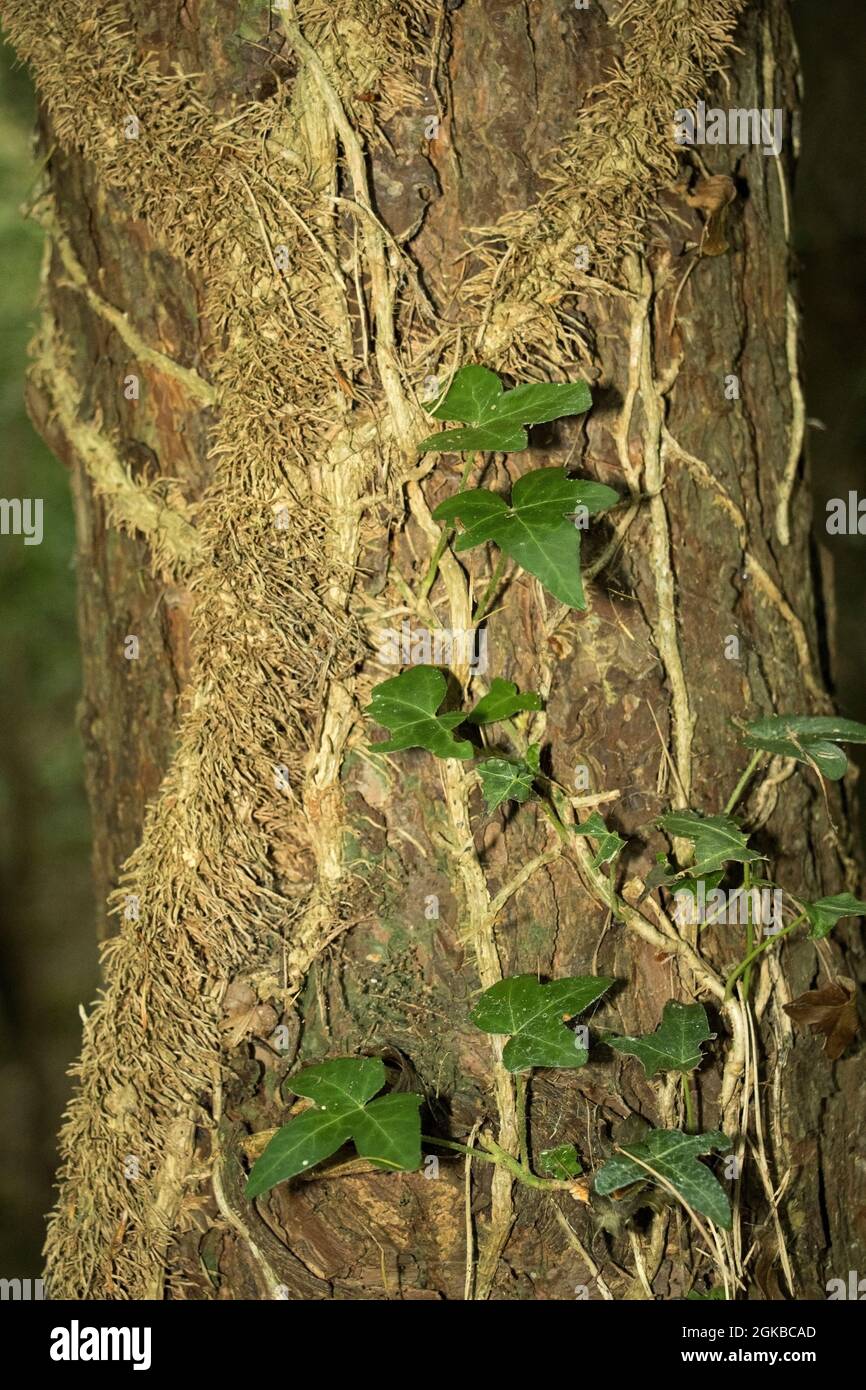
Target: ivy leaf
(807, 738)
(494, 418)
(492, 438)
(610, 844)
(673, 1155)
(472, 392)
(691, 884)
(533, 1015)
(533, 757)
(501, 702)
(407, 704)
(717, 840)
(662, 874)
(537, 530)
(714, 1296)
(386, 1131)
(561, 1162)
(676, 1043)
(504, 779)
(826, 912)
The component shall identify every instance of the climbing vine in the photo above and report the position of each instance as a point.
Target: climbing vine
(538, 531)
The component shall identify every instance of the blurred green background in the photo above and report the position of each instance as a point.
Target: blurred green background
(47, 937)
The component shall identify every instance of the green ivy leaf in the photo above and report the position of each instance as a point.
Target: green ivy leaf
(714, 1296)
(610, 845)
(533, 757)
(826, 912)
(660, 875)
(504, 779)
(533, 1015)
(501, 702)
(537, 529)
(717, 840)
(691, 884)
(673, 1155)
(406, 705)
(493, 438)
(561, 1162)
(472, 393)
(807, 738)
(494, 418)
(386, 1131)
(676, 1043)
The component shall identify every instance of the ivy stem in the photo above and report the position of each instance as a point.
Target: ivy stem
(750, 934)
(444, 537)
(490, 591)
(689, 1103)
(522, 1080)
(553, 816)
(756, 951)
(497, 1155)
(744, 781)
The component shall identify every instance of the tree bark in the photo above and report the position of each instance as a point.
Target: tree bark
(389, 896)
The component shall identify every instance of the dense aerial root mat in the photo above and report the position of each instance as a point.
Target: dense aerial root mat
(278, 533)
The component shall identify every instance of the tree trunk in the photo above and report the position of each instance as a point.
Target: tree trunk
(266, 235)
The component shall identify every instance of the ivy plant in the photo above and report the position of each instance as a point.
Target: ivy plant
(823, 914)
(674, 1157)
(610, 845)
(717, 841)
(809, 739)
(502, 701)
(676, 1043)
(537, 529)
(508, 779)
(492, 417)
(560, 1162)
(386, 1131)
(534, 1015)
(407, 706)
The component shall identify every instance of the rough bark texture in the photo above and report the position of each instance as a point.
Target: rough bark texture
(701, 561)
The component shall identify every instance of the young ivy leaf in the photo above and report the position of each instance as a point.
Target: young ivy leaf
(561, 1162)
(676, 1043)
(537, 530)
(808, 739)
(610, 845)
(501, 702)
(826, 912)
(534, 1015)
(493, 417)
(674, 1157)
(505, 779)
(718, 840)
(386, 1131)
(407, 704)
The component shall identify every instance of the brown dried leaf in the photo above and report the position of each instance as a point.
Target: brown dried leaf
(832, 1011)
(713, 196)
(244, 1016)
